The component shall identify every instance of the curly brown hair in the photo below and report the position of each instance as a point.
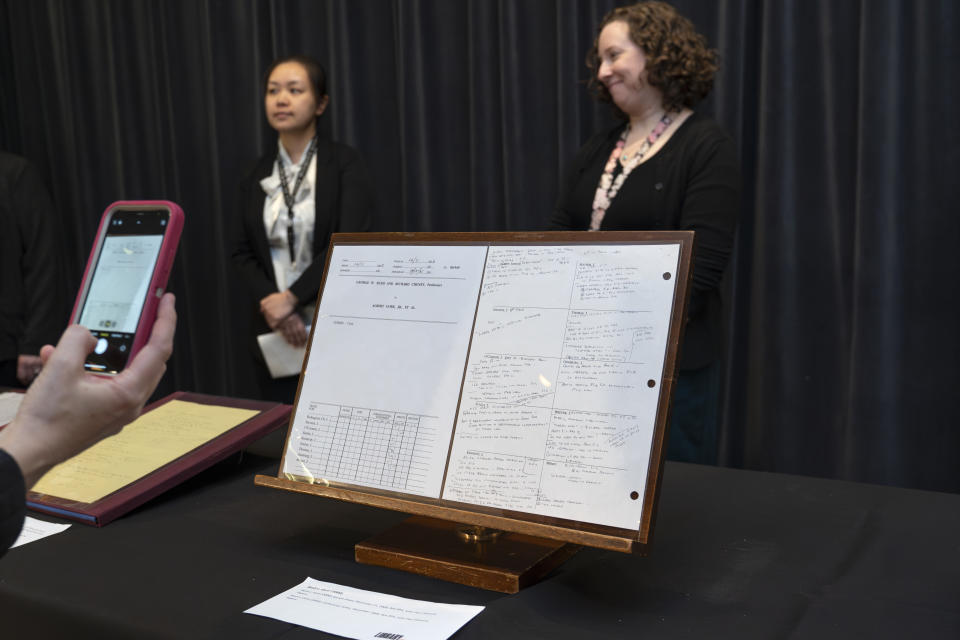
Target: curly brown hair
(678, 60)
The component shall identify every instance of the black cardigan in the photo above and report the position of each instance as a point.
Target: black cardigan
(343, 201)
(692, 183)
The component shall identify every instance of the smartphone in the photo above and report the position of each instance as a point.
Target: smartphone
(125, 278)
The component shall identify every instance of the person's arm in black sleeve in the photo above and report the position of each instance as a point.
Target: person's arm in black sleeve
(354, 214)
(710, 208)
(13, 501)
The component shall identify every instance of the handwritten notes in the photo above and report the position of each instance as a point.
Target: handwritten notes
(560, 387)
(380, 387)
(146, 444)
(562, 384)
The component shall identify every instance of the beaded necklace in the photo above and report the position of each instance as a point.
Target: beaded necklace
(608, 187)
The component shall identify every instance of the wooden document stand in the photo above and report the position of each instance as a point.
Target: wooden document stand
(511, 391)
(475, 556)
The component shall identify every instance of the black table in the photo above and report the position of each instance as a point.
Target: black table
(736, 554)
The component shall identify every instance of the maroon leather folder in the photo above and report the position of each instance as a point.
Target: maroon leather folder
(271, 417)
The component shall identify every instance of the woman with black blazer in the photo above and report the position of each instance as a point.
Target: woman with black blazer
(297, 195)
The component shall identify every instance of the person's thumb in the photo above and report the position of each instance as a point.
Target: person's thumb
(74, 346)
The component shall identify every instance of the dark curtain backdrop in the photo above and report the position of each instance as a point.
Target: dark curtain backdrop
(842, 296)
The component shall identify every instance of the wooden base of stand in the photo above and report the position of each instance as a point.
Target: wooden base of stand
(440, 549)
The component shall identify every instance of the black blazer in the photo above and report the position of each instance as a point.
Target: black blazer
(344, 203)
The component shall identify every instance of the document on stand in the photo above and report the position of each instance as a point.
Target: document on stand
(364, 615)
(380, 387)
(554, 352)
(562, 385)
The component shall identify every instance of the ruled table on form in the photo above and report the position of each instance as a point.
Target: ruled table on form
(366, 446)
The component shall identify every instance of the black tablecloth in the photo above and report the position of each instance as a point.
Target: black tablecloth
(736, 554)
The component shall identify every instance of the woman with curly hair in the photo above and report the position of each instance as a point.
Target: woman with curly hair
(664, 167)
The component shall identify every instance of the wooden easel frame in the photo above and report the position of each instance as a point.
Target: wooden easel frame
(525, 524)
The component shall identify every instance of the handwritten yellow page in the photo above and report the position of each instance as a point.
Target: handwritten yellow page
(146, 444)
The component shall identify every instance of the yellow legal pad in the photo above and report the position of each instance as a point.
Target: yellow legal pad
(146, 444)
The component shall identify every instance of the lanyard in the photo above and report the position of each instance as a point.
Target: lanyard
(288, 197)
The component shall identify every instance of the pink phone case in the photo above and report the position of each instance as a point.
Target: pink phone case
(158, 284)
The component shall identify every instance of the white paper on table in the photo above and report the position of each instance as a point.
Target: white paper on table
(282, 359)
(9, 404)
(34, 530)
(364, 615)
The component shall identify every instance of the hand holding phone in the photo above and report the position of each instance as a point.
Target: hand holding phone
(125, 278)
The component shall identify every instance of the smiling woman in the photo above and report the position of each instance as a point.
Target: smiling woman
(664, 167)
(297, 195)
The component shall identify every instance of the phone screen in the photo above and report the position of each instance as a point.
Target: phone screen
(117, 290)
